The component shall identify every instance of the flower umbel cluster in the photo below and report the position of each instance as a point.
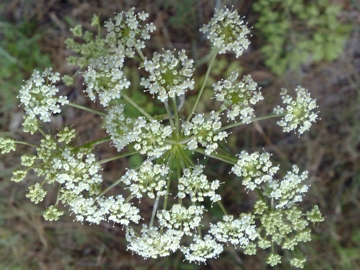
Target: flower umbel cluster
(167, 173)
(227, 32)
(128, 31)
(298, 113)
(169, 76)
(237, 97)
(38, 95)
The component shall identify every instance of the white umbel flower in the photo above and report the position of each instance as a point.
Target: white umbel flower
(289, 190)
(153, 243)
(104, 77)
(238, 232)
(118, 127)
(255, 169)
(38, 95)
(227, 32)
(127, 31)
(237, 97)
(197, 186)
(149, 178)
(202, 249)
(299, 114)
(170, 76)
(204, 131)
(181, 218)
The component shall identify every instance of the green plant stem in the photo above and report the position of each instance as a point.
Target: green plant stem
(92, 144)
(169, 114)
(176, 113)
(261, 196)
(41, 131)
(252, 120)
(178, 142)
(117, 157)
(111, 186)
(214, 53)
(222, 207)
(129, 198)
(167, 192)
(141, 54)
(85, 109)
(156, 204)
(229, 160)
(25, 143)
(136, 106)
(58, 196)
(170, 160)
(185, 159)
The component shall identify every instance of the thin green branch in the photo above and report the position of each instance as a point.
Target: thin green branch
(41, 131)
(156, 204)
(141, 54)
(252, 120)
(261, 196)
(117, 157)
(58, 196)
(117, 181)
(86, 109)
(214, 53)
(25, 143)
(92, 144)
(227, 159)
(128, 99)
(222, 207)
(176, 113)
(169, 114)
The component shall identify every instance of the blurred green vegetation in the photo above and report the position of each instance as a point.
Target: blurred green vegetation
(183, 12)
(299, 32)
(20, 54)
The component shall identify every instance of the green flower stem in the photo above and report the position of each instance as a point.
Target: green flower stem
(156, 204)
(85, 108)
(167, 192)
(117, 157)
(176, 113)
(227, 159)
(58, 196)
(169, 114)
(92, 144)
(129, 198)
(261, 195)
(34, 166)
(185, 159)
(141, 54)
(43, 182)
(161, 117)
(109, 187)
(222, 207)
(41, 131)
(25, 143)
(113, 184)
(75, 74)
(214, 53)
(178, 142)
(252, 120)
(136, 106)
(170, 161)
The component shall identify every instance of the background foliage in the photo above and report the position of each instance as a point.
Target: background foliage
(300, 32)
